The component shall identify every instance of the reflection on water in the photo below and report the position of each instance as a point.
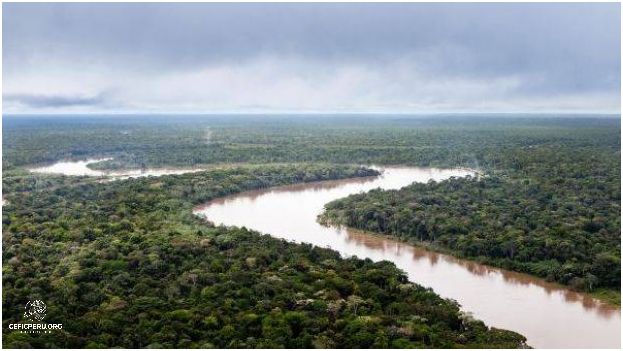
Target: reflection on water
(548, 314)
(384, 243)
(79, 168)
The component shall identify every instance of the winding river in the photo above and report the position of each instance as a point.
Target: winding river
(549, 315)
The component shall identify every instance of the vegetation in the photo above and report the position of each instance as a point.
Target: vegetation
(550, 210)
(612, 297)
(133, 142)
(127, 264)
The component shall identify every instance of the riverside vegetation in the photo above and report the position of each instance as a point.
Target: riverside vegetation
(125, 263)
(549, 209)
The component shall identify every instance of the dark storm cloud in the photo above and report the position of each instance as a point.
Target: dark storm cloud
(553, 48)
(39, 101)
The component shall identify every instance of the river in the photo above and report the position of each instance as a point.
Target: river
(80, 168)
(549, 315)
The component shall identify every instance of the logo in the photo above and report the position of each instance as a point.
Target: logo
(35, 310)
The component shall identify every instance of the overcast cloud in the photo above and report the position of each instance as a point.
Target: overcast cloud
(311, 57)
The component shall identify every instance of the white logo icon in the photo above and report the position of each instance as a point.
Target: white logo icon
(35, 310)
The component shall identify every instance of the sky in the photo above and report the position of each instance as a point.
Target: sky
(323, 58)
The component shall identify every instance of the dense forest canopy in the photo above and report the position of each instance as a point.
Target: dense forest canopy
(126, 263)
(551, 209)
(154, 141)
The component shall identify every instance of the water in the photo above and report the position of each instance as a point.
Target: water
(549, 315)
(79, 168)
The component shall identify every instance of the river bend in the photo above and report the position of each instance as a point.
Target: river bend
(549, 315)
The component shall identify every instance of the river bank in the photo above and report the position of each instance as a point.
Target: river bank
(549, 315)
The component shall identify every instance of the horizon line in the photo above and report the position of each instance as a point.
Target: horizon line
(319, 113)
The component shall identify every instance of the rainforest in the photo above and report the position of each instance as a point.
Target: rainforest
(127, 262)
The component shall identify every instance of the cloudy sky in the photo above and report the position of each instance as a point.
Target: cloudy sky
(311, 58)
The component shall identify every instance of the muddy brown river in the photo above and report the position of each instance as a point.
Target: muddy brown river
(549, 315)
